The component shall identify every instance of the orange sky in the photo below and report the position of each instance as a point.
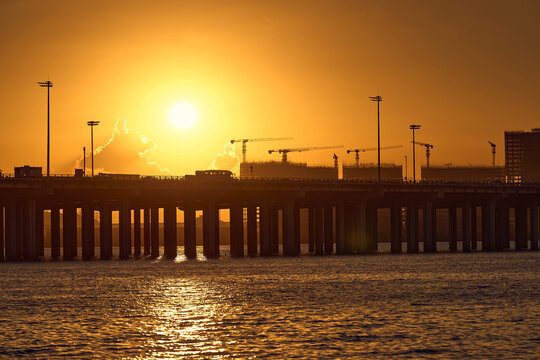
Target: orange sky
(465, 70)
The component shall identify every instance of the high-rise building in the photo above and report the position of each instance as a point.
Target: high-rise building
(522, 153)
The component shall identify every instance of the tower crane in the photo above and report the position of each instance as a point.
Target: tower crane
(493, 150)
(357, 151)
(427, 146)
(245, 141)
(284, 152)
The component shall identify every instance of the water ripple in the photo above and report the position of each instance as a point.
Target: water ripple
(430, 306)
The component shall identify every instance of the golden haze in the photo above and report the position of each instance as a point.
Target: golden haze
(251, 69)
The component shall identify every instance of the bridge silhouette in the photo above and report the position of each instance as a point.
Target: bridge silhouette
(342, 215)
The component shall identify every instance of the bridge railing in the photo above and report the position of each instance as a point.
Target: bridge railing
(175, 178)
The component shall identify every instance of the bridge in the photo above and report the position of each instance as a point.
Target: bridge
(342, 215)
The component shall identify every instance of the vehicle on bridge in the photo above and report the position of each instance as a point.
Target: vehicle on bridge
(211, 175)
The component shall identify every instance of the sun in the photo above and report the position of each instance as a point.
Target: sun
(183, 115)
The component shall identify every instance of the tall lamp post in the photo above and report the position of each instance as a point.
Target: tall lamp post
(48, 84)
(414, 127)
(405, 168)
(92, 124)
(378, 99)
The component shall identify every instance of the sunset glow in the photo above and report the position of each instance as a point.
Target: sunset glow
(183, 115)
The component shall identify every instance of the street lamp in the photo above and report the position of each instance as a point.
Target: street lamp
(405, 168)
(48, 84)
(92, 124)
(414, 127)
(378, 99)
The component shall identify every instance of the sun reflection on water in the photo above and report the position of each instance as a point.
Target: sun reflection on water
(183, 315)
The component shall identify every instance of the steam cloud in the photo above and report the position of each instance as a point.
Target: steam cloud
(126, 151)
(227, 159)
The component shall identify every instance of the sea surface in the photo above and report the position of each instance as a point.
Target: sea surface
(446, 305)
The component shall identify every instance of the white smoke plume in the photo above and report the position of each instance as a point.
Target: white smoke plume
(227, 159)
(126, 151)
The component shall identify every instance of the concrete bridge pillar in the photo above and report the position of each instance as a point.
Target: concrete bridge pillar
(251, 229)
(395, 228)
(340, 228)
(40, 230)
(55, 232)
(505, 229)
(350, 228)
(31, 243)
(520, 217)
(1, 232)
(146, 231)
(154, 231)
(296, 237)
(484, 209)
(93, 234)
(466, 226)
(452, 228)
(69, 222)
(488, 225)
(170, 248)
(412, 227)
(311, 229)
(534, 225)
(359, 227)
(105, 231)
(274, 230)
(125, 229)
(211, 231)
(11, 231)
(328, 229)
(87, 229)
(434, 229)
(137, 231)
(371, 228)
(217, 248)
(289, 246)
(492, 221)
(20, 232)
(265, 219)
(319, 230)
(502, 227)
(474, 228)
(427, 221)
(190, 231)
(237, 230)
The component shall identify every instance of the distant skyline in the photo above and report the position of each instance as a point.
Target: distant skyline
(465, 71)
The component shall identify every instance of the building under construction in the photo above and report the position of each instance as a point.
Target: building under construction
(522, 153)
(286, 170)
(370, 172)
(463, 173)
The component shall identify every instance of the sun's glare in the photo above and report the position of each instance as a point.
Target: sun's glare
(183, 115)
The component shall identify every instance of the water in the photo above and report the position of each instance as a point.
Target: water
(478, 305)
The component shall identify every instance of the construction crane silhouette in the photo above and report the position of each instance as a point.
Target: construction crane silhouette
(493, 150)
(284, 152)
(428, 147)
(245, 141)
(357, 151)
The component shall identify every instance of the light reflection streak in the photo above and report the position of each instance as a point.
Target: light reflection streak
(182, 317)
